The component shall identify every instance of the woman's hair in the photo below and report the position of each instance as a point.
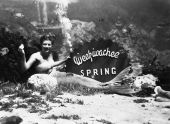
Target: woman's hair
(46, 37)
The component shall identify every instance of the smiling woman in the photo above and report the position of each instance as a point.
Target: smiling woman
(46, 46)
(44, 59)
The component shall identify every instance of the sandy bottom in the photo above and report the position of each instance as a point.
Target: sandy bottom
(95, 109)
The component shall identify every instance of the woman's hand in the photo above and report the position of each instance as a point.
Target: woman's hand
(68, 57)
(21, 49)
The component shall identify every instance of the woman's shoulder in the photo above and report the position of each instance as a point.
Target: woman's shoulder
(36, 54)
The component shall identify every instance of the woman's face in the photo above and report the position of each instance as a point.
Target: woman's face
(46, 46)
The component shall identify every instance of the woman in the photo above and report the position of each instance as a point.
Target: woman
(44, 59)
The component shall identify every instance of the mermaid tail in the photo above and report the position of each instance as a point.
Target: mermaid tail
(129, 72)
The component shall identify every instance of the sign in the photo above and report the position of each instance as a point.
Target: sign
(99, 59)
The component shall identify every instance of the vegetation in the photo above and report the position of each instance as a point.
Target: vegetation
(68, 117)
(103, 121)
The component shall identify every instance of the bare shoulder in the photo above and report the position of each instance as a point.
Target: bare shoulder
(33, 58)
(36, 55)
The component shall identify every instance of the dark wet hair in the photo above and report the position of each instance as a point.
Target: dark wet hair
(46, 37)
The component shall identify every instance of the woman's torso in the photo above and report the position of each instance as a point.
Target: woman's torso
(41, 62)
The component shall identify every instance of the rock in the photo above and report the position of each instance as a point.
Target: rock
(145, 81)
(11, 120)
(4, 51)
(161, 95)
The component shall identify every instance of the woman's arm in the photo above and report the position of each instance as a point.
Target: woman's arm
(56, 63)
(26, 65)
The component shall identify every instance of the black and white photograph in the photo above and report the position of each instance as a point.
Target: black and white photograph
(84, 61)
